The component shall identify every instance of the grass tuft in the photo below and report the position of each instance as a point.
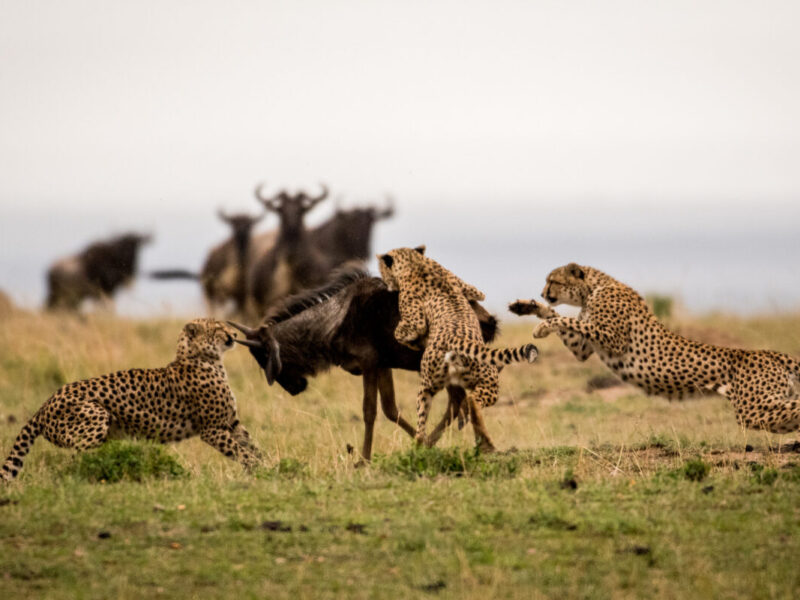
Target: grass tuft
(695, 469)
(123, 460)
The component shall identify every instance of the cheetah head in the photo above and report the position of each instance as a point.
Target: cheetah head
(399, 263)
(205, 338)
(566, 285)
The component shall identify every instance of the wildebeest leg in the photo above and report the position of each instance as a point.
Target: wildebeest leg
(388, 403)
(370, 409)
(456, 398)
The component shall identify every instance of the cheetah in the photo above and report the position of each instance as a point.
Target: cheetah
(617, 324)
(435, 313)
(188, 397)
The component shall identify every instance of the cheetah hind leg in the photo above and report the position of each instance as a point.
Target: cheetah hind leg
(455, 408)
(89, 430)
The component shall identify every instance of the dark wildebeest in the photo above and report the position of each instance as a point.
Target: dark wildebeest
(348, 323)
(224, 275)
(294, 263)
(347, 234)
(97, 272)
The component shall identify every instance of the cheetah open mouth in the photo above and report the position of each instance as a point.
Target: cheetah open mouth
(551, 299)
(229, 340)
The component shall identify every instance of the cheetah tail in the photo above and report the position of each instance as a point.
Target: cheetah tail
(22, 445)
(492, 356)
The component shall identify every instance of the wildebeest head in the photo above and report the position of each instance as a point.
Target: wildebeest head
(265, 349)
(291, 208)
(241, 225)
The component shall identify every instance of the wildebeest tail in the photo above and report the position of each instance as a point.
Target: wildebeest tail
(173, 274)
(494, 356)
(22, 445)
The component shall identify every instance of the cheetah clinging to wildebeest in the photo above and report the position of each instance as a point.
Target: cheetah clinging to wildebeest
(188, 397)
(435, 312)
(617, 324)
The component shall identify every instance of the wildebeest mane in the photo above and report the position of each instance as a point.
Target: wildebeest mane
(301, 302)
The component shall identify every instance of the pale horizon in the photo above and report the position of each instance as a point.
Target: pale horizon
(488, 121)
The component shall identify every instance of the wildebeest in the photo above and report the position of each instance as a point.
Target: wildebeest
(347, 234)
(348, 323)
(97, 272)
(294, 263)
(224, 274)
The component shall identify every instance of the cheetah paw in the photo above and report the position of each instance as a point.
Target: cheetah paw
(531, 307)
(542, 330)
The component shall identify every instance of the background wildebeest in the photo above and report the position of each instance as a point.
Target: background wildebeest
(348, 323)
(294, 263)
(248, 261)
(224, 275)
(97, 272)
(347, 235)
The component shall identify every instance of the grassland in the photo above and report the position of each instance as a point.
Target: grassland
(598, 493)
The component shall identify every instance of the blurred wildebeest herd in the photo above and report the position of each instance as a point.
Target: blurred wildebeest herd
(248, 273)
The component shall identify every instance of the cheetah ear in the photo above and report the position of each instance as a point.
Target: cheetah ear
(192, 329)
(387, 260)
(576, 271)
(420, 249)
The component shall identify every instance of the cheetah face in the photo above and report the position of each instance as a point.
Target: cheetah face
(566, 285)
(206, 338)
(397, 263)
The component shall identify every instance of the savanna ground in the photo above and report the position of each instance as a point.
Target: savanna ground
(597, 493)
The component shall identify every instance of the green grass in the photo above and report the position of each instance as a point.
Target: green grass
(594, 494)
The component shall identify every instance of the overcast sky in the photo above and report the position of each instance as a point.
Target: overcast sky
(113, 105)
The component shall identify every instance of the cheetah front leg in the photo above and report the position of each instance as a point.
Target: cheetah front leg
(611, 340)
(412, 325)
(773, 411)
(580, 347)
(242, 436)
(224, 441)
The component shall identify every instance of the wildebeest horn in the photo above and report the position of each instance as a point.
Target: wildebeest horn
(312, 200)
(248, 343)
(249, 332)
(223, 215)
(270, 203)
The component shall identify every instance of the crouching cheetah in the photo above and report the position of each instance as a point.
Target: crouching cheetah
(435, 312)
(617, 324)
(188, 397)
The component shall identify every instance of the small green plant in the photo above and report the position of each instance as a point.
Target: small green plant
(695, 469)
(763, 475)
(430, 462)
(123, 460)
